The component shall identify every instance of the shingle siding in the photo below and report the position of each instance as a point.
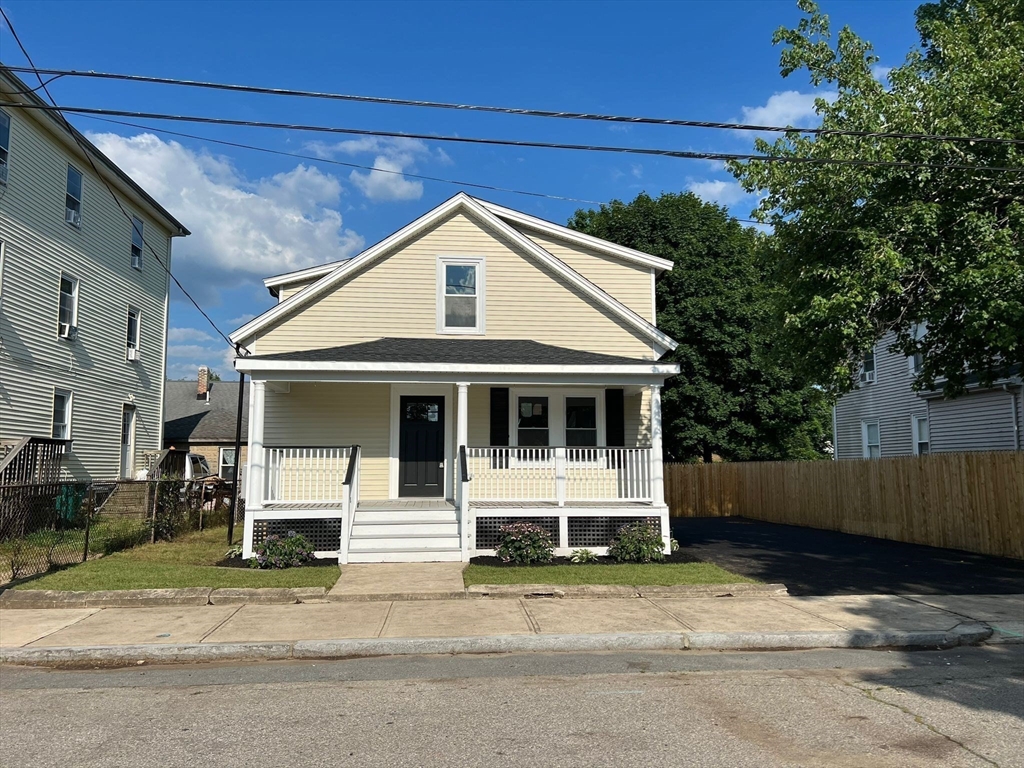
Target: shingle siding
(33, 360)
(977, 421)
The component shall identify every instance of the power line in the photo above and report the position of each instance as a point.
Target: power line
(316, 159)
(117, 201)
(688, 155)
(514, 110)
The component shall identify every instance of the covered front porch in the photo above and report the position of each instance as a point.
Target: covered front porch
(428, 464)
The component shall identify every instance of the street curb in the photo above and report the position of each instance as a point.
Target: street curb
(131, 655)
(155, 598)
(743, 589)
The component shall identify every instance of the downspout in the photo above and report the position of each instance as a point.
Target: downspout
(1016, 416)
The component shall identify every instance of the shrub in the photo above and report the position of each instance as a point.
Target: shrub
(638, 542)
(525, 543)
(282, 552)
(581, 556)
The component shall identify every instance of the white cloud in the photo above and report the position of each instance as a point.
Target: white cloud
(242, 229)
(881, 73)
(722, 192)
(787, 108)
(637, 170)
(178, 335)
(392, 158)
(242, 319)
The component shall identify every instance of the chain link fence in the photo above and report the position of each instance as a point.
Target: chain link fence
(50, 525)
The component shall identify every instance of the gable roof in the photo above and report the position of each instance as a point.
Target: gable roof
(461, 202)
(188, 418)
(75, 140)
(510, 216)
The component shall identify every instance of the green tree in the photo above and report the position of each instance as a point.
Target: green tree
(731, 398)
(868, 250)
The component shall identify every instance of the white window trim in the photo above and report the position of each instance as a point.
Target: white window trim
(68, 412)
(7, 149)
(131, 243)
(866, 377)
(865, 447)
(74, 304)
(220, 460)
(80, 199)
(556, 413)
(481, 293)
(138, 328)
(915, 419)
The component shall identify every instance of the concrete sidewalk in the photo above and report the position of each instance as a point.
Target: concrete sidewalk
(327, 630)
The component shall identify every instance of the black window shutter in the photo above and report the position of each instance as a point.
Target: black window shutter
(615, 418)
(499, 415)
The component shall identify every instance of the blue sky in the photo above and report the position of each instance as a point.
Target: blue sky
(254, 214)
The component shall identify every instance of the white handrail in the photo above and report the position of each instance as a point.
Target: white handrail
(350, 501)
(561, 474)
(305, 474)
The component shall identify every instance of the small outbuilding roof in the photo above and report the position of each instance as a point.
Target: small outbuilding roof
(189, 417)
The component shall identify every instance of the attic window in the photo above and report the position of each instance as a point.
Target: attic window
(460, 295)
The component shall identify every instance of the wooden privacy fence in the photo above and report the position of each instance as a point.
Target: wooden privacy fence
(970, 501)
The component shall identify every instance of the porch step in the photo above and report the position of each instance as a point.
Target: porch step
(362, 542)
(403, 516)
(400, 527)
(422, 555)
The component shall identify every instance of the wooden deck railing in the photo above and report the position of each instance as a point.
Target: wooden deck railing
(298, 475)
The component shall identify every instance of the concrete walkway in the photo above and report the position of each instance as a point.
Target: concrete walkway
(779, 617)
(399, 581)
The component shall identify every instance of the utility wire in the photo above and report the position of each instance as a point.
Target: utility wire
(511, 142)
(316, 159)
(88, 155)
(513, 110)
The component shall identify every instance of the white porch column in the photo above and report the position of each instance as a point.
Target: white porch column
(462, 416)
(657, 466)
(461, 484)
(256, 484)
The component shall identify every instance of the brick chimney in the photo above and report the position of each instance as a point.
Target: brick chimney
(203, 385)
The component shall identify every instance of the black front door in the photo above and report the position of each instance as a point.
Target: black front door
(421, 446)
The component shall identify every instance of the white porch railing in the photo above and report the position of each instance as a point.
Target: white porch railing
(560, 474)
(303, 475)
(350, 496)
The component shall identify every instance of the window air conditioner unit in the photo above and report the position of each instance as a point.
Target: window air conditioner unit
(69, 332)
(133, 355)
(72, 217)
(867, 376)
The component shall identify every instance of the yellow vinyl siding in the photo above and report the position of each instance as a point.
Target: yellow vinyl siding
(397, 296)
(286, 291)
(39, 245)
(627, 282)
(323, 414)
(638, 419)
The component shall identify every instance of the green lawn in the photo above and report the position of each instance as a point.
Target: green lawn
(188, 561)
(625, 573)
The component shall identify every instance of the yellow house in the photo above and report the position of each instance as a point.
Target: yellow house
(479, 366)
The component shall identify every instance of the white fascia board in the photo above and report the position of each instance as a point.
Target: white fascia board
(255, 364)
(564, 233)
(571, 275)
(303, 274)
(346, 268)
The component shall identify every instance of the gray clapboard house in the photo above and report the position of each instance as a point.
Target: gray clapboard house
(885, 417)
(83, 302)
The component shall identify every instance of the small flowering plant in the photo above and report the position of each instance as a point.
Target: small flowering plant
(525, 543)
(639, 542)
(282, 552)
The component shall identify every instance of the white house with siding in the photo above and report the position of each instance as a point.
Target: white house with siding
(83, 302)
(885, 417)
(477, 367)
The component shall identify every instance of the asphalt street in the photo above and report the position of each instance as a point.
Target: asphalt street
(811, 708)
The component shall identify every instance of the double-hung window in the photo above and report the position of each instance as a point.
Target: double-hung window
(5, 144)
(920, 427)
(533, 425)
(867, 368)
(460, 295)
(137, 243)
(132, 334)
(73, 198)
(61, 428)
(226, 464)
(67, 312)
(917, 359)
(580, 421)
(872, 439)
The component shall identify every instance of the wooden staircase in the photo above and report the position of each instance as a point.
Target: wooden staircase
(405, 535)
(31, 460)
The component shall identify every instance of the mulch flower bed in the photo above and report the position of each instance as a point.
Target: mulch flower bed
(239, 562)
(676, 557)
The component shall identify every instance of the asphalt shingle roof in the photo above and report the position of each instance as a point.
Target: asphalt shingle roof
(187, 418)
(454, 351)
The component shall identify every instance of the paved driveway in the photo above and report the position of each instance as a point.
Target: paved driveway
(814, 562)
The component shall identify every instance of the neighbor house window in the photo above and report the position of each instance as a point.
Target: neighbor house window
(920, 426)
(73, 198)
(580, 421)
(226, 465)
(872, 440)
(5, 145)
(132, 335)
(533, 425)
(460, 295)
(867, 367)
(67, 312)
(137, 242)
(917, 359)
(61, 429)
